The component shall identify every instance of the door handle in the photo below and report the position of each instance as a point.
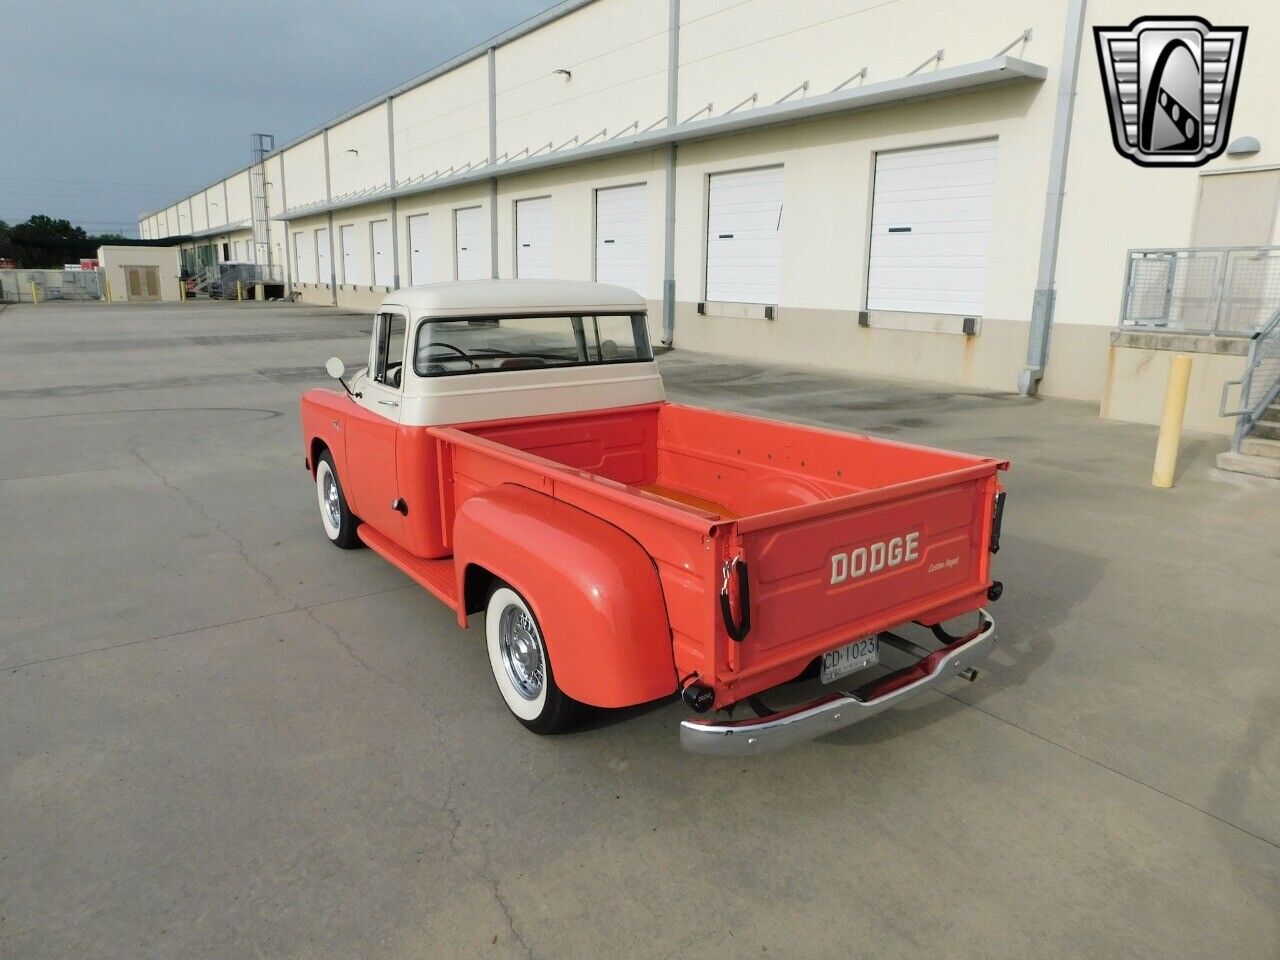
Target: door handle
(389, 403)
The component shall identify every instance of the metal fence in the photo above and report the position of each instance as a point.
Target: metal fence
(16, 285)
(1222, 291)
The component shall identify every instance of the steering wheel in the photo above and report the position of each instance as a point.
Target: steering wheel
(458, 350)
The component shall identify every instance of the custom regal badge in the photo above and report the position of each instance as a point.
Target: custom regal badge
(1171, 86)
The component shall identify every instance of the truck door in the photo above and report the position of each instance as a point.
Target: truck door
(371, 431)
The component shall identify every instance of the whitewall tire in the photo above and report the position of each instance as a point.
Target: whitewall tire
(337, 519)
(521, 665)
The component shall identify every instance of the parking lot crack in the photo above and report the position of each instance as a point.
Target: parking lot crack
(213, 521)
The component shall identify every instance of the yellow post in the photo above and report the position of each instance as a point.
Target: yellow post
(182, 290)
(239, 290)
(107, 285)
(34, 296)
(1175, 404)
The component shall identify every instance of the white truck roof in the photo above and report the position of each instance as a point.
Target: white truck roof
(461, 298)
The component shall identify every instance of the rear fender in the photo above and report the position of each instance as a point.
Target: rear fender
(594, 590)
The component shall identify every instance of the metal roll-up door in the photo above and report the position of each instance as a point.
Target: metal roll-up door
(931, 229)
(419, 249)
(533, 238)
(380, 234)
(622, 242)
(323, 265)
(302, 259)
(470, 257)
(744, 236)
(350, 255)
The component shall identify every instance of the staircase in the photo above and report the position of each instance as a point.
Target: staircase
(203, 279)
(1255, 446)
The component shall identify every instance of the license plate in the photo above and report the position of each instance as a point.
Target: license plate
(852, 656)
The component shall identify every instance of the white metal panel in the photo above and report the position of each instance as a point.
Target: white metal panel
(744, 236)
(350, 254)
(324, 271)
(931, 229)
(302, 259)
(380, 234)
(533, 238)
(622, 242)
(470, 255)
(419, 249)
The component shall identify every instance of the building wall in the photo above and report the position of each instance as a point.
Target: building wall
(616, 53)
(368, 166)
(443, 123)
(304, 172)
(114, 259)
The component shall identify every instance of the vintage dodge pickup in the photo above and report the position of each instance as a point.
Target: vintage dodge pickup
(509, 447)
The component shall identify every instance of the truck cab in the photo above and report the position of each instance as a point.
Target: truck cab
(509, 447)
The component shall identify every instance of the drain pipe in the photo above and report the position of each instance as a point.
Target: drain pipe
(669, 228)
(328, 196)
(492, 57)
(1043, 304)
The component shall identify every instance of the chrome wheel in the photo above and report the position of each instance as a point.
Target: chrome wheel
(331, 504)
(521, 652)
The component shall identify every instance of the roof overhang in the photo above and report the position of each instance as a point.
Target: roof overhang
(969, 77)
(218, 231)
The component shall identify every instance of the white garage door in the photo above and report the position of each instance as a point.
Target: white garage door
(622, 247)
(533, 238)
(469, 253)
(350, 254)
(931, 229)
(744, 236)
(301, 259)
(380, 233)
(322, 256)
(419, 249)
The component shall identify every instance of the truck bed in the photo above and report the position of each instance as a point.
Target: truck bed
(842, 535)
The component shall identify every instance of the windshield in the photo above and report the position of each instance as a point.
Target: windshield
(448, 347)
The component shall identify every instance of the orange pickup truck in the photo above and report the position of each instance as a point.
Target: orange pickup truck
(509, 447)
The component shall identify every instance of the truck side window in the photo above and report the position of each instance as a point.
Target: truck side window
(388, 349)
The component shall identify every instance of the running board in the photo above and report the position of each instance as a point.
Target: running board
(436, 576)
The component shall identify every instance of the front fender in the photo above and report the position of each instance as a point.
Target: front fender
(323, 414)
(594, 590)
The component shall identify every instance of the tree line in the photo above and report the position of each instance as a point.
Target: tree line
(45, 243)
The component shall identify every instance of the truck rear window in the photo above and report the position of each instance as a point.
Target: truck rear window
(484, 345)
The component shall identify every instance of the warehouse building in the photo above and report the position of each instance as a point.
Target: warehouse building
(918, 189)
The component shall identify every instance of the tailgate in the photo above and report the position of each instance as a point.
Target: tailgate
(822, 575)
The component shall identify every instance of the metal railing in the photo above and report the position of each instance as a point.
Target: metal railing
(1220, 291)
(16, 285)
(1260, 384)
(250, 273)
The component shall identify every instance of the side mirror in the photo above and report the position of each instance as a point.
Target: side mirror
(335, 368)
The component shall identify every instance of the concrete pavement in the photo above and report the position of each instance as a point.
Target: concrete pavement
(224, 738)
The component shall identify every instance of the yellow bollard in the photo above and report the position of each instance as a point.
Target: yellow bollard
(107, 285)
(239, 291)
(34, 296)
(182, 290)
(1175, 404)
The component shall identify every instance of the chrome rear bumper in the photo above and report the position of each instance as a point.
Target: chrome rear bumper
(744, 738)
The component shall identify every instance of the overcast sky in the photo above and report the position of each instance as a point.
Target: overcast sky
(119, 106)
